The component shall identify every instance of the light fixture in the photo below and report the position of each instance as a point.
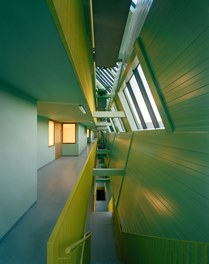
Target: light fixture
(82, 109)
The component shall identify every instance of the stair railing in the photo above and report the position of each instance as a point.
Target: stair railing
(81, 242)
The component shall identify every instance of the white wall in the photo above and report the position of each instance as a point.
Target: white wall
(45, 154)
(18, 156)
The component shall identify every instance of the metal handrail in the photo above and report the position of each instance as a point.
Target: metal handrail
(70, 248)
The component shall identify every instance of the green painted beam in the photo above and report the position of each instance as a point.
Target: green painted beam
(108, 172)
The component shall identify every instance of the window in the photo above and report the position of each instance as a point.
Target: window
(111, 127)
(69, 132)
(87, 133)
(50, 133)
(118, 121)
(141, 102)
(132, 108)
(149, 98)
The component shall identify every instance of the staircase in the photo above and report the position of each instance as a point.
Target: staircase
(103, 240)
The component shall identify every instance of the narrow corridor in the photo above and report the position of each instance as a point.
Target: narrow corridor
(26, 242)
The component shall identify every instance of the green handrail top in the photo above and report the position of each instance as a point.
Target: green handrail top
(69, 249)
(167, 238)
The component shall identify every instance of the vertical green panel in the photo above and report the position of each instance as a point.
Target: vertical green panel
(204, 254)
(194, 254)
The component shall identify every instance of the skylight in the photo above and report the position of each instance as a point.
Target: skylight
(117, 121)
(141, 102)
(133, 3)
(106, 77)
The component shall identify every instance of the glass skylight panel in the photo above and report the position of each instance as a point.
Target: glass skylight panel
(141, 102)
(118, 122)
(111, 127)
(109, 74)
(106, 76)
(151, 99)
(138, 110)
(133, 2)
(133, 5)
(132, 108)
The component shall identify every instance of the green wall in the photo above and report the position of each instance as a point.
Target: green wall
(18, 156)
(166, 186)
(118, 158)
(176, 43)
(165, 190)
(45, 154)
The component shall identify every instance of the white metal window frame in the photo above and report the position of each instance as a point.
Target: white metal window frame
(127, 111)
(129, 105)
(117, 121)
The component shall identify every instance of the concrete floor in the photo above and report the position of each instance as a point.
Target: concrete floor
(26, 242)
(103, 240)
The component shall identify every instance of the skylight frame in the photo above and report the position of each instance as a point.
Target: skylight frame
(132, 108)
(138, 98)
(118, 121)
(132, 88)
(138, 110)
(154, 85)
(146, 99)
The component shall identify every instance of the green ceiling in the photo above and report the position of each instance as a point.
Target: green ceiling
(33, 58)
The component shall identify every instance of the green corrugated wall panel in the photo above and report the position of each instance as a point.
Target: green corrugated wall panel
(175, 37)
(165, 190)
(118, 159)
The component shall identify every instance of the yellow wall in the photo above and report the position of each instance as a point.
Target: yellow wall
(75, 33)
(71, 223)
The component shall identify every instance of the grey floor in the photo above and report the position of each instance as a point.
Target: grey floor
(104, 249)
(26, 242)
(103, 242)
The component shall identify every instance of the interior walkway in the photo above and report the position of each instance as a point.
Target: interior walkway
(26, 242)
(103, 240)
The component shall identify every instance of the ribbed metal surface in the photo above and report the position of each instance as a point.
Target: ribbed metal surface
(118, 159)
(165, 190)
(176, 40)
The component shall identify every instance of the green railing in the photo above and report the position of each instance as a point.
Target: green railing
(139, 249)
(68, 232)
(157, 250)
(85, 244)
